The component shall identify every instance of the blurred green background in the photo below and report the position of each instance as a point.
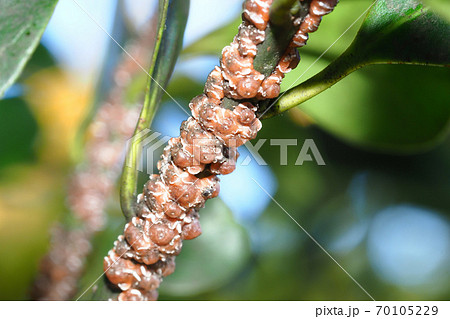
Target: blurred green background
(381, 211)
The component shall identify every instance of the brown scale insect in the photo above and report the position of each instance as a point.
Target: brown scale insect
(192, 230)
(141, 246)
(225, 123)
(270, 88)
(321, 8)
(158, 201)
(242, 80)
(201, 145)
(248, 38)
(257, 12)
(317, 10)
(138, 295)
(168, 207)
(214, 85)
(186, 189)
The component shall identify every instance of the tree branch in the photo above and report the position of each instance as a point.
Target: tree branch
(277, 40)
(275, 44)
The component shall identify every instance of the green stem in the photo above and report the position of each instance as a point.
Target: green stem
(172, 22)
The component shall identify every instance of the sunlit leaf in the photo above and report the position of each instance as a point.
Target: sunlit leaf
(22, 23)
(441, 7)
(399, 109)
(402, 31)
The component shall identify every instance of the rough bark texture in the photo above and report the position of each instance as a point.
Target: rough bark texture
(223, 118)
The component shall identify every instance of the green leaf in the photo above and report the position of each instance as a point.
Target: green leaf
(441, 7)
(40, 59)
(18, 131)
(22, 23)
(402, 31)
(406, 115)
(394, 109)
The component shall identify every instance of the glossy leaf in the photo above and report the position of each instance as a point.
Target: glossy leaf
(387, 108)
(22, 23)
(402, 31)
(441, 7)
(408, 112)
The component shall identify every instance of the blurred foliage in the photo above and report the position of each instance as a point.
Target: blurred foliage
(399, 117)
(60, 103)
(41, 59)
(269, 258)
(22, 23)
(399, 109)
(441, 7)
(212, 42)
(31, 198)
(18, 130)
(37, 130)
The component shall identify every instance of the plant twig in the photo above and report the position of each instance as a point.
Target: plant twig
(168, 208)
(173, 18)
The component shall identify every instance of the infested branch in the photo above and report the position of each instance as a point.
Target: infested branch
(223, 118)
